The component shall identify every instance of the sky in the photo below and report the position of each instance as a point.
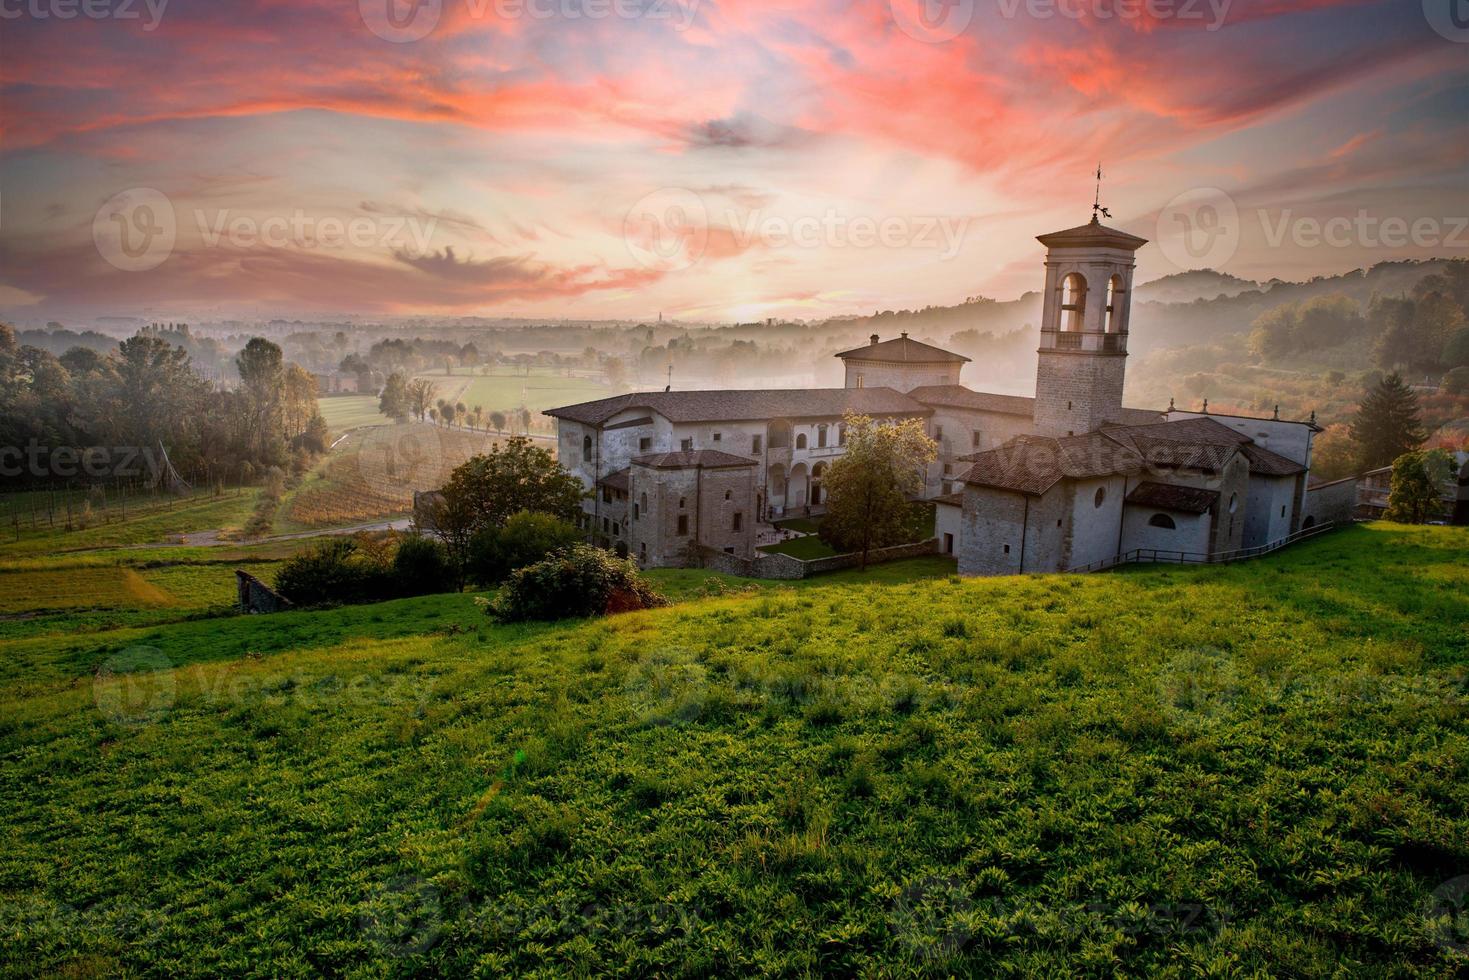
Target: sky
(704, 159)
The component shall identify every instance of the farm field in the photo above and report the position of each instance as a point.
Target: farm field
(343, 412)
(149, 519)
(372, 474)
(1255, 769)
(506, 389)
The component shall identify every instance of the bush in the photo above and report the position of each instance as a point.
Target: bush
(525, 539)
(421, 566)
(334, 571)
(578, 581)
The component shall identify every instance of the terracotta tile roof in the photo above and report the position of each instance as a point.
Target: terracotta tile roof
(903, 349)
(617, 480)
(733, 406)
(958, 396)
(1093, 234)
(1034, 464)
(707, 458)
(951, 499)
(1266, 463)
(1168, 496)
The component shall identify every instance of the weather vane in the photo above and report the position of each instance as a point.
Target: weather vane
(1097, 208)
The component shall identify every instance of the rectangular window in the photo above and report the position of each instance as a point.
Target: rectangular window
(738, 518)
(1282, 510)
(1007, 549)
(755, 445)
(683, 524)
(948, 469)
(948, 544)
(635, 512)
(606, 524)
(645, 445)
(974, 439)
(729, 550)
(616, 527)
(938, 432)
(686, 445)
(717, 436)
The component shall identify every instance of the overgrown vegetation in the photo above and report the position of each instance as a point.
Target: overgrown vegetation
(577, 581)
(1258, 769)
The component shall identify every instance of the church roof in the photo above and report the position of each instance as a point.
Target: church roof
(1168, 496)
(616, 480)
(1094, 234)
(707, 458)
(958, 396)
(903, 349)
(733, 406)
(1034, 464)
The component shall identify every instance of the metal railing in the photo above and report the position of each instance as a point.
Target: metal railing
(1143, 556)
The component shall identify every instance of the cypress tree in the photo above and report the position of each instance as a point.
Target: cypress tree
(1387, 425)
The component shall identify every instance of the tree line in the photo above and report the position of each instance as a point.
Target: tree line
(144, 395)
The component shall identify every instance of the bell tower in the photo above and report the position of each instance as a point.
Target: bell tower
(1083, 351)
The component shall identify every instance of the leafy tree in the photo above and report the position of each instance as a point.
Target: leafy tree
(1455, 351)
(1326, 321)
(261, 370)
(870, 484)
(1388, 424)
(1418, 480)
(420, 393)
(498, 421)
(394, 401)
(1334, 454)
(518, 476)
(1272, 335)
(525, 539)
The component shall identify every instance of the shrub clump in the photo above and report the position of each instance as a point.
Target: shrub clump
(577, 581)
(526, 538)
(356, 569)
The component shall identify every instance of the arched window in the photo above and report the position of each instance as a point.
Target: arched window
(1073, 301)
(641, 507)
(726, 495)
(842, 434)
(801, 441)
(821, 437)
(1233, 502)
(1163, 521)
(1114, 304)
(586, 449)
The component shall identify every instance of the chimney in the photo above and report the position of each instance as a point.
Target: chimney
(905, 335)
(874, 340)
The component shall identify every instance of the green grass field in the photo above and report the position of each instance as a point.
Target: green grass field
(1258, 769)
(343, 412)
(505, 390)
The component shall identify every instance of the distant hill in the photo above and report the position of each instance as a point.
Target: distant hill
(1196, 284)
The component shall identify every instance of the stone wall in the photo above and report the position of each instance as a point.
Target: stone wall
(1330, 503)
(1077, 391)
(257, 597)
(786, 568)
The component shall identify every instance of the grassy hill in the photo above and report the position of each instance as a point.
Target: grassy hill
(1260, 768)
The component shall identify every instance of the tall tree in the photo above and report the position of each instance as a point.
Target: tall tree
(420, 396)
(394, 401)
(518, 476)
(869, 486)
(1387, 424)
(262, 374)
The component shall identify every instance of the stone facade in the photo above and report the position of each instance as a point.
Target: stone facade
(1077, 391)
(254, 596)
(674, 511)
